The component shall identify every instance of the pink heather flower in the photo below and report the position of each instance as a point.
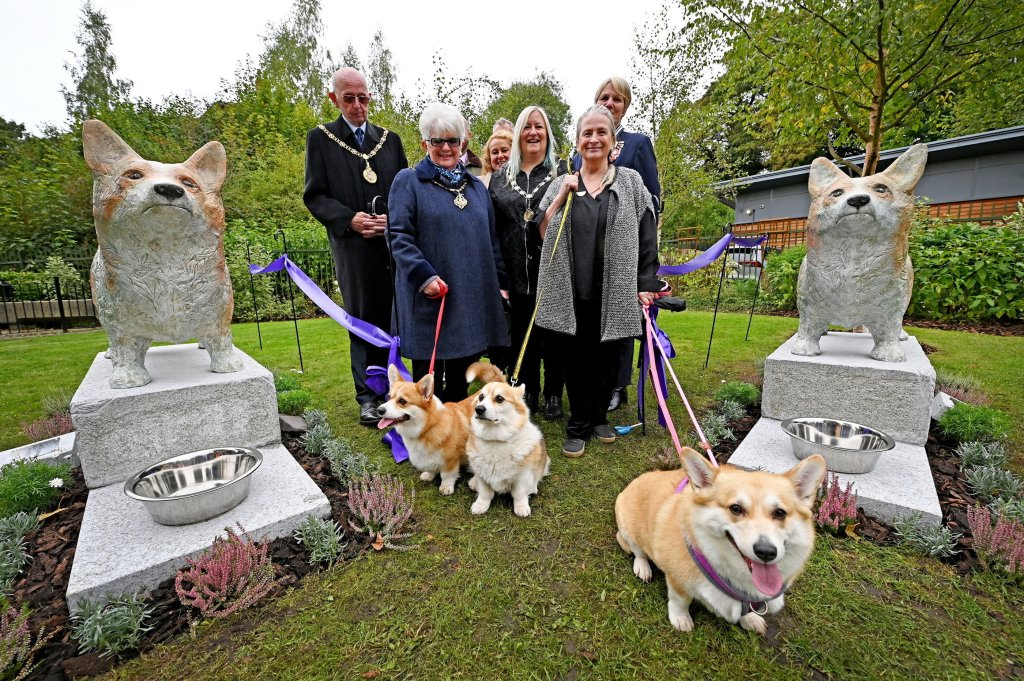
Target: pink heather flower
(1001, 544)
(836, 506)
(231, 575)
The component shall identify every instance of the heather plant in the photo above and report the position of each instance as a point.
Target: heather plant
(293, 402)
(47, 426)
(322, 538)
(346, 463)
(971, 423)
(991, 482)
(18, 647)
(974, 454)
(1012, 508)
(746, 394)
(231, 575)
(1001, 544)
(112, 626)
(960, 387)
(731, 410)
(938, 542)
(381, 509)
(26, 485)
(836, 506)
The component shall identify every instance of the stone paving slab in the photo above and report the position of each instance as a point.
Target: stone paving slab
(900, 484)
(122, 550)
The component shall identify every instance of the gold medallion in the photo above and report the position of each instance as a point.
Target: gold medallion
(460, 201)
(528, 215)
(369, 175)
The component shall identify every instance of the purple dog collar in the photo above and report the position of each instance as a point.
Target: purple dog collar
(747, 602)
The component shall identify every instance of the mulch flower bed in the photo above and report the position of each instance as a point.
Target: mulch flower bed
(43, 585)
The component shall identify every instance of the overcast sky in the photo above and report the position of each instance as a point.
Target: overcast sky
(190, 46)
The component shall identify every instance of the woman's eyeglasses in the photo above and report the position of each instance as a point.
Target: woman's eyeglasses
(438, 142)
(351, 99)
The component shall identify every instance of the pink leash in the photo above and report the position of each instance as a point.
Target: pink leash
(437, 331)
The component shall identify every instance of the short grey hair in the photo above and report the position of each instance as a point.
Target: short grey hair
(600, 110)
(439, 119)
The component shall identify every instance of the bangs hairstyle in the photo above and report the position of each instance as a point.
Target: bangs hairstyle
(600, 110)
(439, 119)
(620, 86)
(500, 135)
(515, 159)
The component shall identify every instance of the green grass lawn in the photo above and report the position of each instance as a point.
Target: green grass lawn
(553, 596)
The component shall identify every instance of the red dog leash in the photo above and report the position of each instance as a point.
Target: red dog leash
(442, 294)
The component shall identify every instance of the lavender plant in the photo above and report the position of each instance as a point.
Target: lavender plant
(991, 482)
(382, 509)
(322, 538)
(231, 575)
(315, 417)
(836, 506)
(731, 410)
(13, 554)
(938, 542)
(111, 626)
(17, 647)
(346, 463)
(1012, 508)
(974, 454)
(716, 430)
(315, 439)
(1001, 544)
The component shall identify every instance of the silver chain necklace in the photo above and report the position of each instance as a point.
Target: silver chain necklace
(529, 213)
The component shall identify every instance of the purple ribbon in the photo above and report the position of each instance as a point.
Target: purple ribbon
(662, 339)
(376, 377)
(711, 255)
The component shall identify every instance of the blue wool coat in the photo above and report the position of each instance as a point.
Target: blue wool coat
(430, 236)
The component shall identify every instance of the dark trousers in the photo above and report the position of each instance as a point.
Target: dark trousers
(591, 370)
(625, 363)
(540, 346)
(449, 376)
(363, 355)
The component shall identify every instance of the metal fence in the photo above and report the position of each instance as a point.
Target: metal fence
(46, 306)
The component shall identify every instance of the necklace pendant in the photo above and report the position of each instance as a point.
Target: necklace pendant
(460, 201)
(529, 214)
(368, 174)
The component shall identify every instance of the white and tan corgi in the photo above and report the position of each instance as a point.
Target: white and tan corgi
(506, 450)
(732, 539)
(435, 433)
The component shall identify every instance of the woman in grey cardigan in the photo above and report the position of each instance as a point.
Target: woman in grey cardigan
(604, 267)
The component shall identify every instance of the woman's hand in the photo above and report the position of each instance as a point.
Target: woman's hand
(570, 184)
(436, 288)
(646, 297)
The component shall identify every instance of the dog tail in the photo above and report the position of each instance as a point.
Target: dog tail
(484, 372)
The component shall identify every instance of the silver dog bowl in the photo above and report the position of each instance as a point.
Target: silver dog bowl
(847, 447)
(196, 486)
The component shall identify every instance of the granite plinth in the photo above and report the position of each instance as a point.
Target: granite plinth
(122, 550)
(844, 383)
(899, 485)
(185, 408)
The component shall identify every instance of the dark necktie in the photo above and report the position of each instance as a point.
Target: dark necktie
(359, 138)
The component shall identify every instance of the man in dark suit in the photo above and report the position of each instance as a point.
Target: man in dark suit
(350, 165)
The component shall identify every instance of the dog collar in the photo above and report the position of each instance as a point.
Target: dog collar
(748, 602)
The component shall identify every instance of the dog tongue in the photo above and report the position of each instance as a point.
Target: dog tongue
(767, 578)
(384, 423)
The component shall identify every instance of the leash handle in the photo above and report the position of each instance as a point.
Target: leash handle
(437, 331)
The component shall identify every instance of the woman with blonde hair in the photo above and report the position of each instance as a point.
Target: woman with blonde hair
(496, 153)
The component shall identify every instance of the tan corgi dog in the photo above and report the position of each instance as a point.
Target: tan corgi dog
(732, 539)
(506, 450)
(434, 433)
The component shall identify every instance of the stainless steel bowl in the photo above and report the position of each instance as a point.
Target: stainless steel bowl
(847, 447)
(197, 486)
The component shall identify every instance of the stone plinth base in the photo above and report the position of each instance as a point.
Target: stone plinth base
(185, 408)
(122, 550)
(900, 484)
(844, 383)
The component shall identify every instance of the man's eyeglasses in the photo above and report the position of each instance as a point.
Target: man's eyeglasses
(352, 99)
(438, 142)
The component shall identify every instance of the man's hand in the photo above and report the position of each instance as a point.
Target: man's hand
(369, 226)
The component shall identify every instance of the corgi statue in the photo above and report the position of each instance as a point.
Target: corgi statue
(857, 270)
(159, 273)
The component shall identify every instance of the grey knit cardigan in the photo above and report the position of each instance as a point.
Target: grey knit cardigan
(620, 310)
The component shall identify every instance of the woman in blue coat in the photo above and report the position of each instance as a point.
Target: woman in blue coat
(441, 230)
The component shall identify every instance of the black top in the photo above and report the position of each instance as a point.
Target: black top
(589, 217)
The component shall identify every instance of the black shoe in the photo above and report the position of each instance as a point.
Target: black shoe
(368, 415)
(573, 447)
(604, 433)
(619, 398)
(553, 408)
(532, 403)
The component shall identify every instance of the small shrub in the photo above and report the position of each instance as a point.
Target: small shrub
(25, 485)
(13, 558)
(836, 506)
(112, 626)
(322, 538)
(15, 526)
(48, 426)
(1011, 508)
(231, 575)
(17, 648)
(315, 417)
(316, 438)
(1000, 545)
(991, 482)
(380, 505)
(938, 542)
(293, 402)
(346, 463)
(974, 454)
(284, 382)
(716, 430)
(58, 402)
(963, 388)
(731, 410)
(746, 394)
(971, 423)
(781, 272)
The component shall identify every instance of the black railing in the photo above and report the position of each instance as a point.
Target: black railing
(46, 306)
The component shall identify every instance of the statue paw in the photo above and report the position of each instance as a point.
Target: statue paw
(889, 351)
(129, 377)
(806, 347)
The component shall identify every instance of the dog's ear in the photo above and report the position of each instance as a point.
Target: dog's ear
(104, 149)
(824, 173)
(393, 375)
(211, 165)
(698, 469)
(807, 476)
(906, 171)
(426, 386)
(520, 390)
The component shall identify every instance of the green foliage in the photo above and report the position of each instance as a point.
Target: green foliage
(293, 402)
(1008, 507)
(14, 527)
(938, 542)
(971, 423)
(112, 626)
(973, 454)
(95, 88)
(346, 463)
(322, 538)
(25, 485)
(316, 438)
(989, 483)
(315, 418)
(962, 387)
(544, 91)
(731, 410)
(13, 554)
(716, 430)
(782, 270)
(285, 381)
(737, 391)
(966, 272)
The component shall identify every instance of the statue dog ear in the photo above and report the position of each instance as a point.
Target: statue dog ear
(104, 149)
(211, 165)
(906, 171)
(824, 174)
